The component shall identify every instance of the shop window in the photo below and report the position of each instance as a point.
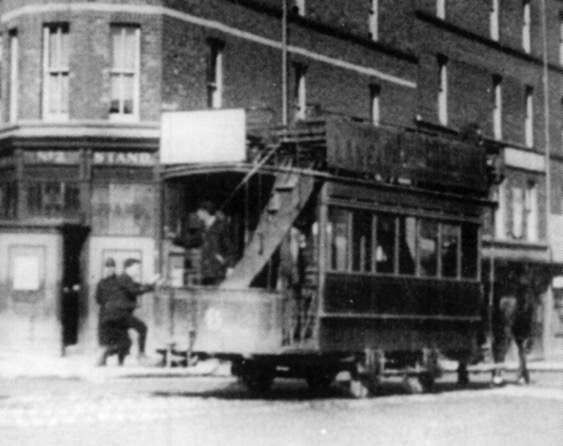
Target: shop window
(407, 245)
(55, 71)
(215, 74)
(124, 74)
(450, 250)
(469, 250)
(385, 243)
(362, 241)
(8, 199)
(123, 209)
(428, 248)
(338, 232)
(53, 198)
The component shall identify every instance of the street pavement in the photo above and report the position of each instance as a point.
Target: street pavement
(217, 410)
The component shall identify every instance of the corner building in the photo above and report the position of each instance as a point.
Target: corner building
(84, 84)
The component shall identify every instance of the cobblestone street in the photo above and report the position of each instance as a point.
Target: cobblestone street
(217, 411)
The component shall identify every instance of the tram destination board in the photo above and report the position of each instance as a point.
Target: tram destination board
(407, 155)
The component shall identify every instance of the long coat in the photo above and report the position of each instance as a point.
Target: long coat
(214, 243)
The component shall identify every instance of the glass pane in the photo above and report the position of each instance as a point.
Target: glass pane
(127, 86)
(361, 241)
(34, 199)
(469, 253)
(52, 197)
(64, 52)
(337, 232)
(54, 93)
(53, 49)
(117, 48)
(428, 248)
(115, 93)
(450, 249)
(72, 198)
(130, 55)
(63, 108)
(407, 245)
(385, 244)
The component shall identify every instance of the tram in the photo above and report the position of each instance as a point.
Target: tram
(357, 249)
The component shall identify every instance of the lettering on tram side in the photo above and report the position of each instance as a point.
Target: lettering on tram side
(125, 158)
(403, 155)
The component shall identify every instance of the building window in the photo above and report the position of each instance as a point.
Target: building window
(441, 9)
(529, 117)
(442, 90)
(8, 199)
(299, 7)
(125, 41)
(526, 26)
(428, 248)
(531, 211)
(517, 212)
(375, 111)
(53, 199)
(497, 107)
(300, 91)
(362, 244)
(55, 71)
(500, 211)
(374, 20)
(494, 19)
(14, 76)
(215, 75)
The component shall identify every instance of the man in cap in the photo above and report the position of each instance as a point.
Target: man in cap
(208, 230)
(129, 290)
(112, 329)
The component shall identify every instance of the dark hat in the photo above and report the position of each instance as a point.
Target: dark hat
(130, 262)
(110, 263)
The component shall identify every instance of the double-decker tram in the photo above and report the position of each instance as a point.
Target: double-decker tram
(354, 249)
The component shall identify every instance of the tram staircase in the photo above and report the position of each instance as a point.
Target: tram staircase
(290, 193)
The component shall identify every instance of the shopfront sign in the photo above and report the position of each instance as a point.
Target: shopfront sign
(124, 158)
(51, 157)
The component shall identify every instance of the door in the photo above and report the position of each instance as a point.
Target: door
(72, 293)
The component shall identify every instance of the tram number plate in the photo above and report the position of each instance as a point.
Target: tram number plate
(213, 319)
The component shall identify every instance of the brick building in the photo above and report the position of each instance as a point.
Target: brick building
(84, 84)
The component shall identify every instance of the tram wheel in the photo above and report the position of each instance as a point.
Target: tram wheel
(319, 382)
(427, 380)
(258, 382)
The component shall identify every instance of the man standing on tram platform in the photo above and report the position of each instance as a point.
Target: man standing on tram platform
(207, 229)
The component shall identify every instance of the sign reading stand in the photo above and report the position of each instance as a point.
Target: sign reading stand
(209, 136)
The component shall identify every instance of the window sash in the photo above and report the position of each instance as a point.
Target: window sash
(55, 72)
(124, 73)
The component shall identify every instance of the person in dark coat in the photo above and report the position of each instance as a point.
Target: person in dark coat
(128, 291)
(112, 328)
(208, 230)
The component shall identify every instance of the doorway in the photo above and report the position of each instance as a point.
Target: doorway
(72, 293)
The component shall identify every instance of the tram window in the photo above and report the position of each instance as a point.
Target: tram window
(407, 245)
(428, 248)
(361, 241)
(338, 236)
(469, 250)
(385, 244)
(450, 250)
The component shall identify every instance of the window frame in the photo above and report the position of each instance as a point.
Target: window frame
(122, 73)
(497, 107)
(442, 99)
(531, 211)
(300, 71)
(494, 20)
(441, 9)
(62, 73)
(529, 116)
(373, 20)
(215, 76)
(527, 26)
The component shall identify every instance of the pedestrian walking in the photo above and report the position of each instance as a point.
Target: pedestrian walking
(112, 329)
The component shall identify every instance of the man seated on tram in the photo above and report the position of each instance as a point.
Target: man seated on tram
(208, 230)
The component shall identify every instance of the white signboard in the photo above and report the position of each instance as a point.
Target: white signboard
(210, 136)
(26, 273)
